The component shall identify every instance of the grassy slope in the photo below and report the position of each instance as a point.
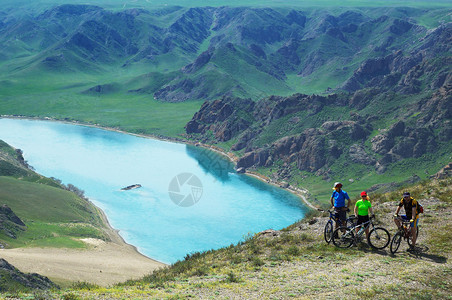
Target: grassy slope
(297, 263)
(54, 216)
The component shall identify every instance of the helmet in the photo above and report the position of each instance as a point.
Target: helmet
(364, 193)
(337, 184)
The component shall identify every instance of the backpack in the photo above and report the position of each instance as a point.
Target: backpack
(419, 208)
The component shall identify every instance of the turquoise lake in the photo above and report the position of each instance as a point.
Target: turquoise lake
(190, 199)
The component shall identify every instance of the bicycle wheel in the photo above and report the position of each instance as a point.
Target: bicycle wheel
(395, 243)
(328, 231)
(379, 238)
(343, 237)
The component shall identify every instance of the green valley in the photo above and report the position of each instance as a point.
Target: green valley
(149, 68)
(304, 93)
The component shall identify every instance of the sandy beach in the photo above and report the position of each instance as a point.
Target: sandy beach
(102, 263)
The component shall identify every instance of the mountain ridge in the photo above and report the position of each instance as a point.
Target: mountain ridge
(287, 48)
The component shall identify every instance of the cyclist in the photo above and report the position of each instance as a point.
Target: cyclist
(410, 205)
(362, 209)
(338, 203)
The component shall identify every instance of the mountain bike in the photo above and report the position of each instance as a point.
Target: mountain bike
(328, 230)
(403, 233)
(378, 237)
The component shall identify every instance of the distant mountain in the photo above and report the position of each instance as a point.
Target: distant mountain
(317, 90)
(178, 54)
(396, 109)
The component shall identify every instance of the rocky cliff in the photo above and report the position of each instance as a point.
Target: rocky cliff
(14, 280)
(10, 224)
(320, 134)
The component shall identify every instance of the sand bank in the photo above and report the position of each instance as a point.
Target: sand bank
(103, 263)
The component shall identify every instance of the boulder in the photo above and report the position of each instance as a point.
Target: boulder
(29, 281)
(382, 143)
(359, 155)
(10, 224)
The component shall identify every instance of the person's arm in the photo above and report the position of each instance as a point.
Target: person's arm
(349, 202)
(331, 200)
(413, 213)
(354, 211)
(371, 211)
(398, 209)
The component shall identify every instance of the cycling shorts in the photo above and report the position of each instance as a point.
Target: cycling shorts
(362, 219)
(413, 224)
(340, 214)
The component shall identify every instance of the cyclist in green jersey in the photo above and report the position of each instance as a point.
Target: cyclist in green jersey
(362, 209)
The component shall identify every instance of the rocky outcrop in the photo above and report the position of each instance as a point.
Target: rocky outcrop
(313, 149)
(12, 277)
(359, 155)
(444, 172)
(224, 118)
(401, 142)
(295, 145)
(406, 72)
(10, 224)
(200, 62)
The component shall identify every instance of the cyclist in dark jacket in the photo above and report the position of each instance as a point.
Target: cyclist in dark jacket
(410, 205)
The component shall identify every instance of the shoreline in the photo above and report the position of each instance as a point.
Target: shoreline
(232, 157)
(113, 233)
(106, 263)
(115, 237)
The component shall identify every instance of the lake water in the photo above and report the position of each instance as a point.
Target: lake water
(191, 199)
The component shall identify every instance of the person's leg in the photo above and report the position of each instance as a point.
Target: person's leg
(336, 219)
(359, 222)
(365, 219)
(397, 222)
(413, 231)
(343, 218)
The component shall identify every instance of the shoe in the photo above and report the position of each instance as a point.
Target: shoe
(411, 249)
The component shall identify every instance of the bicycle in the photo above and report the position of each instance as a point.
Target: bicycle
(378, 237)
(403, 232)
(328, 230)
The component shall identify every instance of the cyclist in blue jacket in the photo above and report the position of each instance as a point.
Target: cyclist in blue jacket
(338, 202)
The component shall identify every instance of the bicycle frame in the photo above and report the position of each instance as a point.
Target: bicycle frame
(404, 232)
(329, 227)
(333, 218)
(405, 228)
(365, 225)
(378, 237)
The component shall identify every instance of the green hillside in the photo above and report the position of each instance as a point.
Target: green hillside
(297, 263)
(53, 215)
(307, 92)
